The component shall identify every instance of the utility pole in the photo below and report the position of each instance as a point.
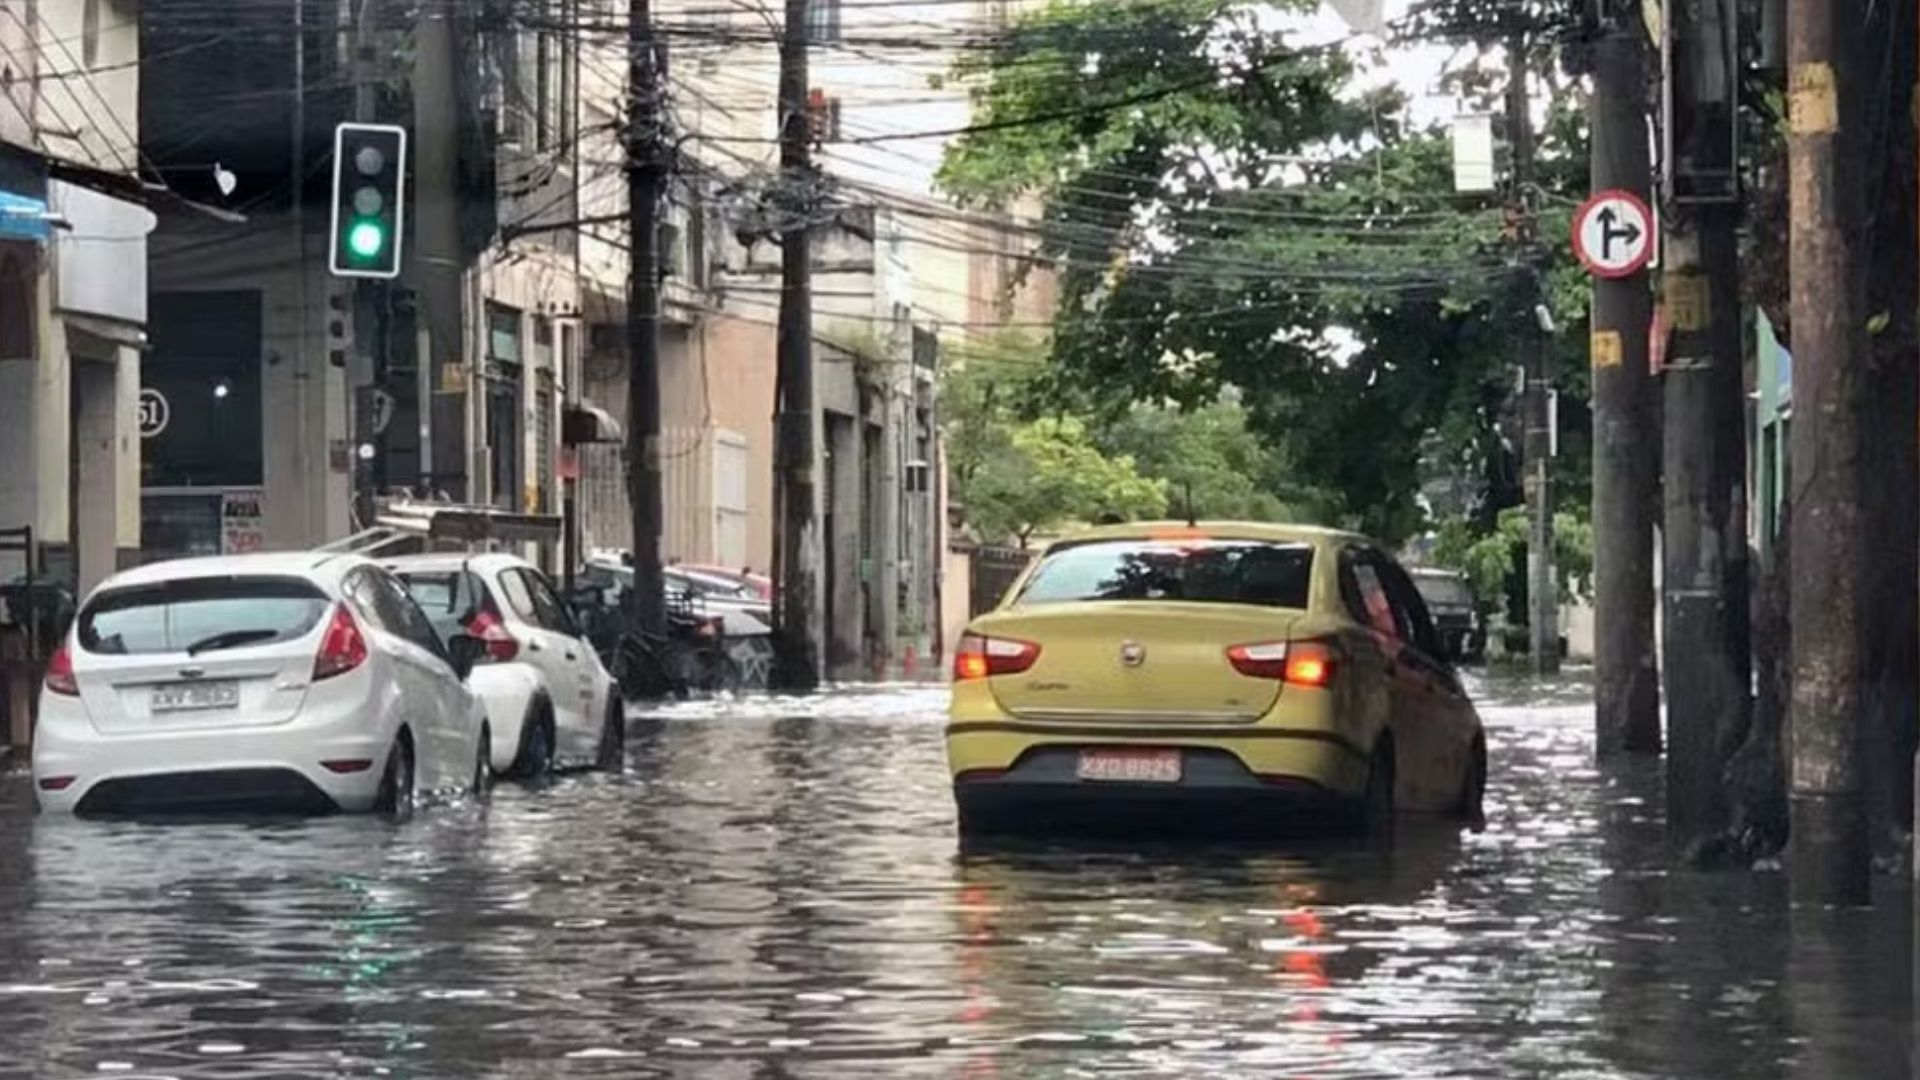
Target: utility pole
(646, 179)
(1543, 600)
(797, 547)
(1704, 520)
(436, 263)
(1830, 852)
(1626, 462)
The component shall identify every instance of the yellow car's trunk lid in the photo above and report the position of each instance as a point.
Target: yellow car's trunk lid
(1145, 660)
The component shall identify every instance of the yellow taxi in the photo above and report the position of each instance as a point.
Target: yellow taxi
(1214, 674)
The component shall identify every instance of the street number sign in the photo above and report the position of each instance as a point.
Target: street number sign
(155, 412)
(1614, 234)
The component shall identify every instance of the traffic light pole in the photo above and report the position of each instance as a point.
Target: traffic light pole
(1543, 599)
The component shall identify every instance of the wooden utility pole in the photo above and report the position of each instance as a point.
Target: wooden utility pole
(646, 179)
(1543, 598)
(1831, 858)
(1704, 520)
(1626, 460)
(797, 548)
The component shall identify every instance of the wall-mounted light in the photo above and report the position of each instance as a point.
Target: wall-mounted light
(221, 390)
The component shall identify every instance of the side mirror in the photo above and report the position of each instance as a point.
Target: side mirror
(465, 650)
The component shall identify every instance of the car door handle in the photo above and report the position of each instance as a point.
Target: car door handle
(533, 646)
(571, 656)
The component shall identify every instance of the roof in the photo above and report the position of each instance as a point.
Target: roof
(274, 564)
(453, 560)
(1220, 530)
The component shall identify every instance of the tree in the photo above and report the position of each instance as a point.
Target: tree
(1212, 466)
(1222, 213)
(1050, 474)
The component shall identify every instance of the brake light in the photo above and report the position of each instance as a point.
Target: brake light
(59, 678)
(342, 649)
(981, 657)
(1309, 663)
(1301, 663)
(499, 642)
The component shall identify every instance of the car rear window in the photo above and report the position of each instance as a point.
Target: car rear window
(174, 616)
(1443, 591)
(1197, 571)
(447, 596)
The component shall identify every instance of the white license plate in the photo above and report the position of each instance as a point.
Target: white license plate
(193, 696)
(1131, 766)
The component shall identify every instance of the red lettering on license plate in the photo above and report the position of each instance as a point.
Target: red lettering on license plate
(1131, 766)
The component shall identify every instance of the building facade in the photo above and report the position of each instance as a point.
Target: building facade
(73, 312)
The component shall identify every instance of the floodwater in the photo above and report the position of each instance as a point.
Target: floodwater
(774, 890)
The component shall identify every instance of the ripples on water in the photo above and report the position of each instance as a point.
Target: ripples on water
(774, 891)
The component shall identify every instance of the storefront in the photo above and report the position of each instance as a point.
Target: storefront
(201, 434)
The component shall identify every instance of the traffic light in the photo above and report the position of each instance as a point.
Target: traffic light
(369, 190)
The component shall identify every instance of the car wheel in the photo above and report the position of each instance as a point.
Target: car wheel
(1376, 805)
(398, 784)
(483, 766)
(534, 764)
(613, 738)
(1473, 789)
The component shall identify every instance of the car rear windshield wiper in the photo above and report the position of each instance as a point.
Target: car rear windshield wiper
(229, 639)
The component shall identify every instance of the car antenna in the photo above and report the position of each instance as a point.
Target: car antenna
(1192, 521)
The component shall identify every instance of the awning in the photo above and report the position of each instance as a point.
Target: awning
(584, 422)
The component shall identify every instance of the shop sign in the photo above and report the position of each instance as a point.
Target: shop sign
(242, 523)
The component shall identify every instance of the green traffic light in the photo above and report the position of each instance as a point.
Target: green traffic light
(366, 239)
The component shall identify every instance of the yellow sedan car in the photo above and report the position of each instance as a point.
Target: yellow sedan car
(1221, 674)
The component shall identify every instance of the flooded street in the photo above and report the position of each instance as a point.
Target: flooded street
(774, 890)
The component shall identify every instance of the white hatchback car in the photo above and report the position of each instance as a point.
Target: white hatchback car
(549, 698)
(307, 682)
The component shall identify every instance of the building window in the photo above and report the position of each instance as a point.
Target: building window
(730, 509)
(543, 343)
(503, 406)
(90, 35)
(824, 19)
(503, 334)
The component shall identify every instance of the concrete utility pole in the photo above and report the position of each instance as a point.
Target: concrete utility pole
(797, 544)
(1704, 444)
(1626, 462)
(436, 270)
(646, 180)
(1543, 597)
(1830, 853)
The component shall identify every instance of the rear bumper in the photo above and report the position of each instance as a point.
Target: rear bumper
(219, 791)
(198, 770)
(1216, 793)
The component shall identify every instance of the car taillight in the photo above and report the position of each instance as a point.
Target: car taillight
(501, 647)
(59, 679)
(1302, 663)
(980, 657)
(342, 649)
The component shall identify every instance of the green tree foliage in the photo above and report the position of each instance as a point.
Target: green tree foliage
(1051, 474)
(1211, 465)
(1224, 213)
(1490, 559)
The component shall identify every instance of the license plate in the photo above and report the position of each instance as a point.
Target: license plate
(1131, 766)
(192, 696)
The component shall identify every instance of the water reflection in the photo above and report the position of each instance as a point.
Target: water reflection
(773, 890)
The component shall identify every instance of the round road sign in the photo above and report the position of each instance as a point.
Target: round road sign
(1614, 234)
(154, 412)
